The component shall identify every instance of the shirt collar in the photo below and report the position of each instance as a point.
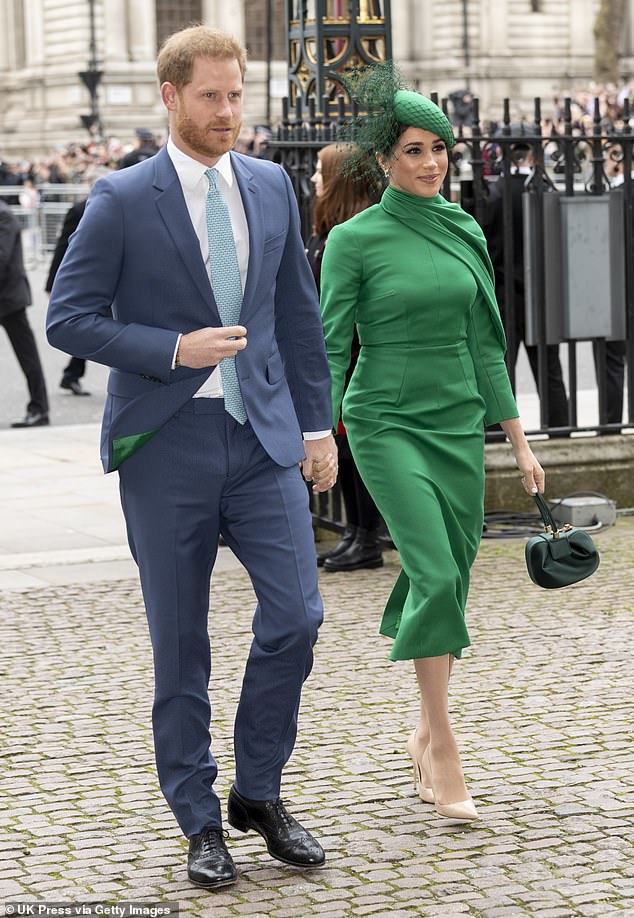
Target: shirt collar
(190, 171)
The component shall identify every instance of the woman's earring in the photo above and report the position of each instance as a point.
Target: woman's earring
(386, 173)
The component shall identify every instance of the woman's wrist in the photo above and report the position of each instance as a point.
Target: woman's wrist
(515, 433)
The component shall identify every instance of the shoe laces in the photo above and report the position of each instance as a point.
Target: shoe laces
(284, 815)
(211, 840)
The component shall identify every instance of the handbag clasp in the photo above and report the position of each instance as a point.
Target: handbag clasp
(556, 533)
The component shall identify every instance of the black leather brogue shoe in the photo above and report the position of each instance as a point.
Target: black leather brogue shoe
(32, 419)
(209, 863)
(286, 840)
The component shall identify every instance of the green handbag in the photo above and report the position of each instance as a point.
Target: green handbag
(559, 557)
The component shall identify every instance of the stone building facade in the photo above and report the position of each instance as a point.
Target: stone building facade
(515, 48)
(519, 48)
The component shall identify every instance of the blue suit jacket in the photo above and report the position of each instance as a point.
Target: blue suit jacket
(133, 278)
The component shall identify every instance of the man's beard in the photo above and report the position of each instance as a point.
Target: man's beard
(202, 140)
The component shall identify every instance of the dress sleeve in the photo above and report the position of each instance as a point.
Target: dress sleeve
(490, 369)
(341, 272)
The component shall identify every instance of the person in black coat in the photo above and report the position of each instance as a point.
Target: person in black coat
(15, 296)
(76, 367)
(494, 232)
(145, 147)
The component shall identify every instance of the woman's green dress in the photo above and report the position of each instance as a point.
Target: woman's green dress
(414, 276)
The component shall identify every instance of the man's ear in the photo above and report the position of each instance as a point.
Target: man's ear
(169, 95)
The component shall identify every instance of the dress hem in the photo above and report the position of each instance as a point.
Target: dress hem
(425, 651)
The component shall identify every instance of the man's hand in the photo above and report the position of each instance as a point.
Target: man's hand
(206, 347)
(320, 464)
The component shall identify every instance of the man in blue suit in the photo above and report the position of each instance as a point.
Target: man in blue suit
(187, 276)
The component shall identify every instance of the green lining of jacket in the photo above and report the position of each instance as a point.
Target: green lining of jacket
(124, 447)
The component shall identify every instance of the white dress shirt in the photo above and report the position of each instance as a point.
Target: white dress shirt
(195, 184)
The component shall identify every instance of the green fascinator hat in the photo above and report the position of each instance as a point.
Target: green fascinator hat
(415, 110)
(385, 106)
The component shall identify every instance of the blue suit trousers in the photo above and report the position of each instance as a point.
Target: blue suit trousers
(203, 475)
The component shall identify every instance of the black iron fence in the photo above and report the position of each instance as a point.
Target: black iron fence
(577, 250)
(563, 247)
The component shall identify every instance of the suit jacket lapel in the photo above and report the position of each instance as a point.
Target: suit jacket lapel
(173, 210)
(253, 212)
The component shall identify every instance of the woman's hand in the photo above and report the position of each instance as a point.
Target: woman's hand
(533, 476)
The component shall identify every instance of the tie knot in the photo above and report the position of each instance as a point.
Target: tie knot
(212, 175)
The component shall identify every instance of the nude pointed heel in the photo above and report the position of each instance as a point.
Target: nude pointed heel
(425, 792)
(454, 813)
(458, 813)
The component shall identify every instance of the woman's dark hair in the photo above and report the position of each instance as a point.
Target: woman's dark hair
(344, 194)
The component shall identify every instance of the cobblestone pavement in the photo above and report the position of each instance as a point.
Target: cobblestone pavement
(542, 704)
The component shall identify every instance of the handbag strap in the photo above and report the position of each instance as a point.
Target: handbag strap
(546, 515)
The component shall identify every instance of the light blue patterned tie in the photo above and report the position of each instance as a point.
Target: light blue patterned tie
(227, 286)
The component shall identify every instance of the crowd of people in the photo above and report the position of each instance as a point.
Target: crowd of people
(612, 101)
(612, 110)
(77, 162)
(68, 164)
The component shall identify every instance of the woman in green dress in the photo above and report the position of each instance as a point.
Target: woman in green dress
(412, 274)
